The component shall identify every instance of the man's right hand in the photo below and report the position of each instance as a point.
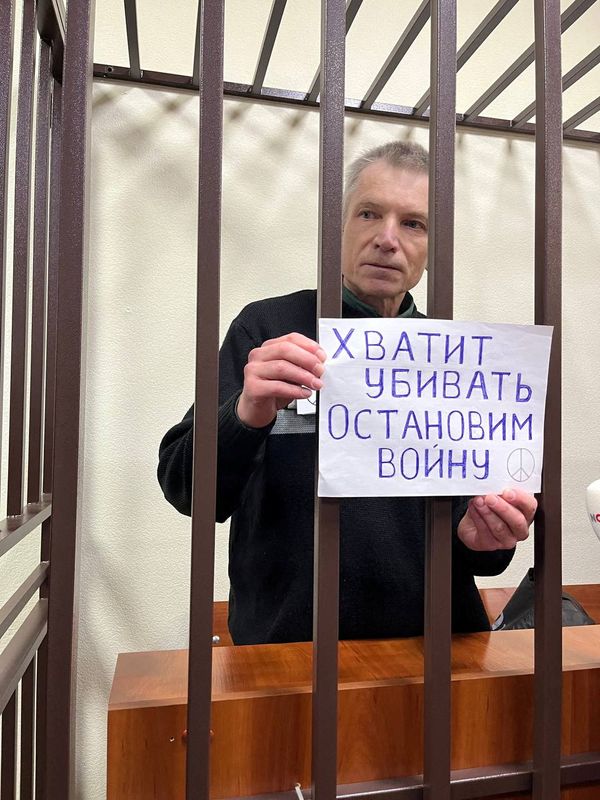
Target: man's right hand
(281, 370)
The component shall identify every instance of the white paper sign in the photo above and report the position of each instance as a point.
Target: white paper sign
(431, 407)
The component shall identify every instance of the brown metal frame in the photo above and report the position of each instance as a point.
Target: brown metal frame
(471, 118)
(35, 665)
(40, 652)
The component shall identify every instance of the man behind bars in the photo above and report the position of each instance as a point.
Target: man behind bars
(266, 452)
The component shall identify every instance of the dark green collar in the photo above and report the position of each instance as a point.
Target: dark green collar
(406, 309)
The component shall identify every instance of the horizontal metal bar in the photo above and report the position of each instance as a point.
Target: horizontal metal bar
(13, 529)
(581, 116)
(568, 17)
(467, 784)
(51, 27)
(243, 91)
(351, 12)
(266, 50)
(572, 76)
(15, 604)
(17, 655)
(403, 45)
(473, 43)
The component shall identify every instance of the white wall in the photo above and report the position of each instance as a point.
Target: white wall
(135, 547)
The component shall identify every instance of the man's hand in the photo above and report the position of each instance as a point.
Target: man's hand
(497, 522)
(281, 370)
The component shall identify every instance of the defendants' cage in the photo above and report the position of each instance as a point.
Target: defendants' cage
(40, 650)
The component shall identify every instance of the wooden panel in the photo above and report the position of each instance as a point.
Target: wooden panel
(261, 712)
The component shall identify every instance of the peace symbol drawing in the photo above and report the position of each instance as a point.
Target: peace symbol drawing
(520, 464)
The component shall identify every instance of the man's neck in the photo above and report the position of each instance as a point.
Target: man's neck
(374, 306)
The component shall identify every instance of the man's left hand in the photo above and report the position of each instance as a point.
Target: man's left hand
(497, 522)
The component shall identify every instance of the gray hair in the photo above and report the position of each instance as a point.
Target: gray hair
(403, 155)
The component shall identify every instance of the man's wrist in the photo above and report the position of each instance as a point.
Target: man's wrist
(254, 421)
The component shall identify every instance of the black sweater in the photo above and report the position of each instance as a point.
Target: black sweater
(266, 485)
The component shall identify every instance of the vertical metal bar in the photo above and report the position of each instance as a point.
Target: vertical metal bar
(6, 67)
(352, 8)
(77, 76)
(41, 719)
(27, 707)
(438, 555)
(329, 304)
(40, 252)
(211, 36)
(21, 261)
(548, 300)
(9, 750)
(132, 39)
(51, 308)
(53, 224)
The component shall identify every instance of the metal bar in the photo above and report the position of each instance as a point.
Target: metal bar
(17, 655)
(7, 19)
(440, 292)
(9, 750)
(72, 267)
(51, 291)
(42, 728)
(266, 49)
(404, 43)
(14, 529)
(572, 76)
(21, 262)
(40, 254)
(329, 304)
(27, 727)
(194, 83)
(571, 15)
(288, 97)
(487, 26)
(51, 27)
(17, 602)
(548, 300)
(467, 784)
(581, 116)
(351, 12)
(211, 45)
(132, 38)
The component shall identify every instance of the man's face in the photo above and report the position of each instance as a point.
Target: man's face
(384, 243)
